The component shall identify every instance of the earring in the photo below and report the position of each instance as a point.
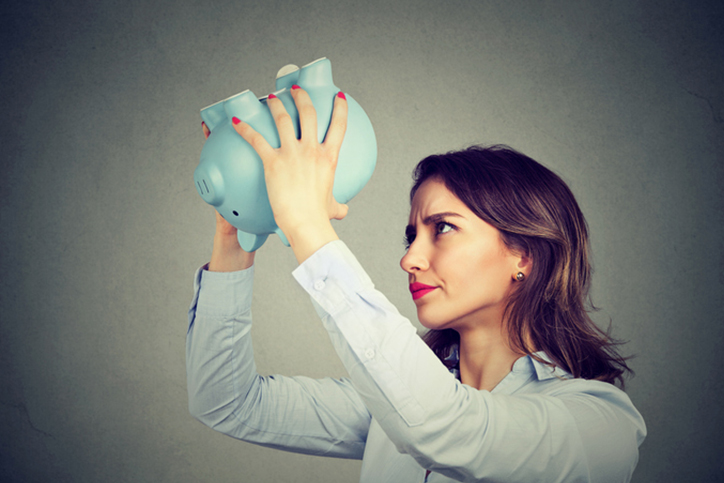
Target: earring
(520, 277)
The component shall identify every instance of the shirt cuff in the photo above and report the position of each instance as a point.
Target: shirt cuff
(223, 294)
(333, 261)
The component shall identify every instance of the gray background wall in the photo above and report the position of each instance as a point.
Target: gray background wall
(102, 228)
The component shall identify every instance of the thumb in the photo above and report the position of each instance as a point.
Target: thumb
(340, 211)
(223, 227)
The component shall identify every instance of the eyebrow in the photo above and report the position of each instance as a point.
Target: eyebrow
(435, 218)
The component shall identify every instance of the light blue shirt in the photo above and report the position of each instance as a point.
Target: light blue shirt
(400, 410)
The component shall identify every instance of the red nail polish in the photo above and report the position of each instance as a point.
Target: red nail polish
(340, 94)
(235, 120)
(271, 96)
(295, 87)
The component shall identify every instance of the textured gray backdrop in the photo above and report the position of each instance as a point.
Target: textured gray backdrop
(102, 228)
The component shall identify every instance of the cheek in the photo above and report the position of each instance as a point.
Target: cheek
(485, 271)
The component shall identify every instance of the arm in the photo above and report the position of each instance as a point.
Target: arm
(564, 431)
(324, 417)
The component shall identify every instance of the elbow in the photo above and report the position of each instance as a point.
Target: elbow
(215, 407)
(201, 408)
(198, 409)
(207, 403)
(213, 390)
(208, 412)
(200, 402)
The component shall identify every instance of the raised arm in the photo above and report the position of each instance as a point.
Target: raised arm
(323, 417)
(551, 430)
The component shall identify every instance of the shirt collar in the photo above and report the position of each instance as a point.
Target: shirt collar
(526, 365)
(542, 369)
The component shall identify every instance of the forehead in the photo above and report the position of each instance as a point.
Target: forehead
(434, 197)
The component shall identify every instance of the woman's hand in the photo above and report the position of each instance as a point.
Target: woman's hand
(227, 255)
(300, 174)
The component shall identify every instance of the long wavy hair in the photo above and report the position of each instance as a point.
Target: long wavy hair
(537, 215)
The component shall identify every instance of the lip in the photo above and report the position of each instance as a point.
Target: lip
(420, 289)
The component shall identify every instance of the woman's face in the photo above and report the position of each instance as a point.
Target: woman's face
(460, 271)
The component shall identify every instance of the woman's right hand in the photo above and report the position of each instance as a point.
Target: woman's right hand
(227, 255)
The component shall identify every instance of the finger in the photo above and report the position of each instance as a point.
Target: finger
(282, 119)
(338, 124)
(307, 113)
(256, 140)
(205, 128)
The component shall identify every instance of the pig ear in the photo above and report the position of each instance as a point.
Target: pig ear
(205, 128)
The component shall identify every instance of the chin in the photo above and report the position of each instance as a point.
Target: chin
(429, 321)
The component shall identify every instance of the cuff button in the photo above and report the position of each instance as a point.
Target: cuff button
(318, 285)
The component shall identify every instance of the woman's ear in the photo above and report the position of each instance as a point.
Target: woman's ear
(524, 265)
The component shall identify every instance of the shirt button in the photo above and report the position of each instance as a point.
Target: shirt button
(319, 285)
(369, 353)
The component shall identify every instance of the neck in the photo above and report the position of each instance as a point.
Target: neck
(485, 356)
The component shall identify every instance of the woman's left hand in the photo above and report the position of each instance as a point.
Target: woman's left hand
(300, 174)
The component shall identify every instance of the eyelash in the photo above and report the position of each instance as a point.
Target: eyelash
(408, 239)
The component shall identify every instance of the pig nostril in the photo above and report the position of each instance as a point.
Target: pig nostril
(205, 186)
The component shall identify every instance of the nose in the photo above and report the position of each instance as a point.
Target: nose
(414, 260)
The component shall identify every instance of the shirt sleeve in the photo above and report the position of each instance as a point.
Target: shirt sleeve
(323, 417)
(452, 428)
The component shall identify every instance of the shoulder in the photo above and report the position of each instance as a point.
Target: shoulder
(604, 415)
(594, 405)
(554, 381)
(608, 427)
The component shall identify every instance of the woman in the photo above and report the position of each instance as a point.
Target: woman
(516, 383)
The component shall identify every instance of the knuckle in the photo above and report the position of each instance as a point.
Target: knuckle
(307, 110)
(244, 129)
(310, 151)
(330, 157)
(339, 122)
(256, 142)
(282, 118)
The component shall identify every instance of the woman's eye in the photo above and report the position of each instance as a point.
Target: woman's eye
(443, 227)
(440, 229)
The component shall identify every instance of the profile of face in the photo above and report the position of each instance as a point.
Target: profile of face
(461, 273)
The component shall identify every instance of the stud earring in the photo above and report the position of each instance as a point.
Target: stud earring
(520, 277)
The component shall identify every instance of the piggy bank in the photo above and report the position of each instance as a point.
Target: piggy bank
(230, 175)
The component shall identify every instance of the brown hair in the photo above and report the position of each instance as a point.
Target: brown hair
(537, 215)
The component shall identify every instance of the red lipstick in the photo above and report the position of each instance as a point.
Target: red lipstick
(420, 289)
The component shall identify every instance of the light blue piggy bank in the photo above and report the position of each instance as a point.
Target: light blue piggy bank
(230, 175)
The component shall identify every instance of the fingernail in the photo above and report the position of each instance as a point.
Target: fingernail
(295, 87)
(235, 120)
(340, 94)
(271, 96)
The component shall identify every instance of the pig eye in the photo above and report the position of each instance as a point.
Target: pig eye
(235, 213)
